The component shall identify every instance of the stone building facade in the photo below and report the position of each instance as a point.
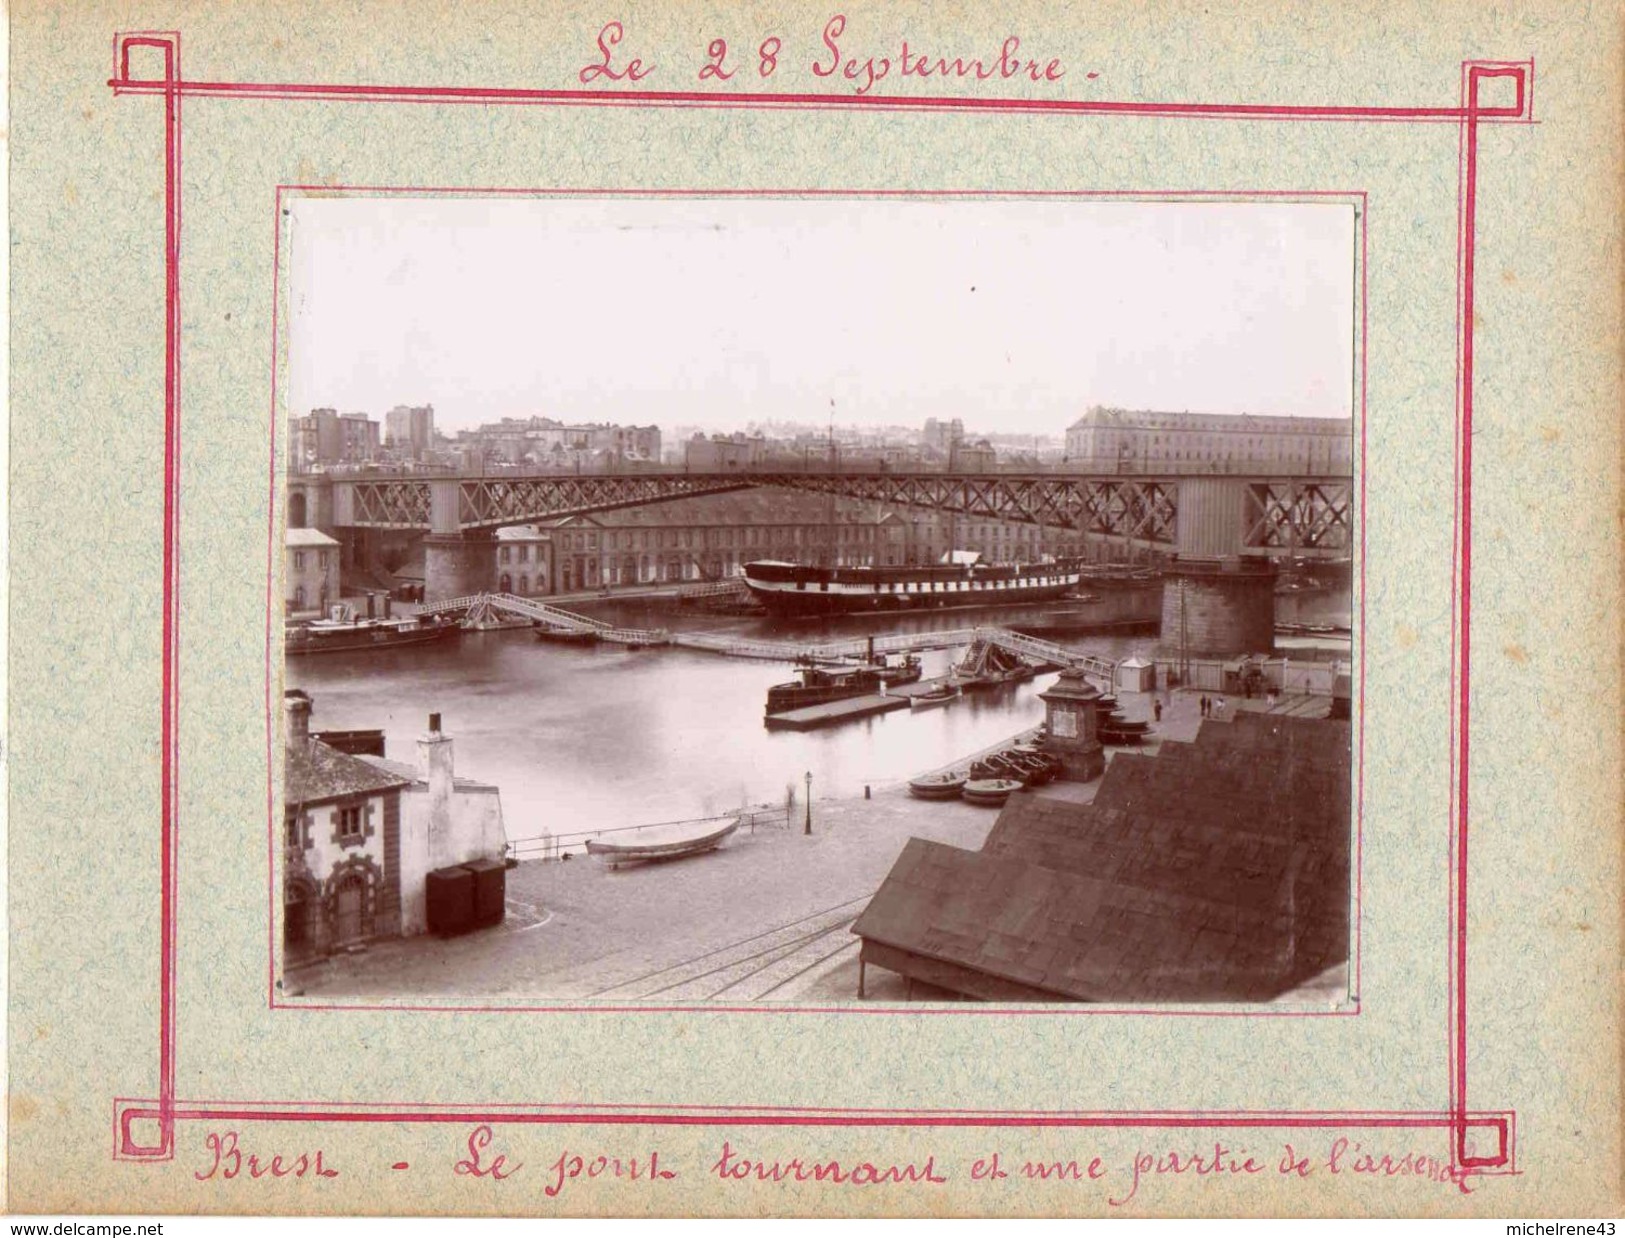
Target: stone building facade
(523, 561)
(1125, 441)
(341, 882)
(310, 571)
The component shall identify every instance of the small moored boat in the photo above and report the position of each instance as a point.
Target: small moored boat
(989, 792)
(937, 786)
(939, 695)
(566, 636)
(661, 842)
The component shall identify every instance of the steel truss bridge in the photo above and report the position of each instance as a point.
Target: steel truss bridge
(1310, 517)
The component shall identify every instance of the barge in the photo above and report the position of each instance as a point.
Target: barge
(362, 635)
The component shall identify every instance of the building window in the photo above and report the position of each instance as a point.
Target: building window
(299, 560)
(349, 824)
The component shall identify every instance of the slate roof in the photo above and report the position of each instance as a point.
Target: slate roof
(1216, 870)
(298, 538)
(409, 774)
(314, 773)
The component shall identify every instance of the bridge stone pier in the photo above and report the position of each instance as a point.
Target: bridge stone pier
(1216, 601)
(455, 565)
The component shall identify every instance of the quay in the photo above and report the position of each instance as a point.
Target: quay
(777, 907)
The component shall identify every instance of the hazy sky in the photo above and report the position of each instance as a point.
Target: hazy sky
(1014, 315)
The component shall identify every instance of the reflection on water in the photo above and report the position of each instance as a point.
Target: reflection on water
(583, 738)
(586, 738)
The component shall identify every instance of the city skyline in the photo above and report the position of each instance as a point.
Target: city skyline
(724, 313)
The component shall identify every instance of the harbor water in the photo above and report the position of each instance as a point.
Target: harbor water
(586, 738)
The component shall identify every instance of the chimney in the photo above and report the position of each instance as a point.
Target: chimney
(435, 769)
(296, 708)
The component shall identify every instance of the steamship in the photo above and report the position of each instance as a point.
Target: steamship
(800, 589)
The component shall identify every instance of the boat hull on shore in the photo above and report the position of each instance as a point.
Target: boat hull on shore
(661, 842)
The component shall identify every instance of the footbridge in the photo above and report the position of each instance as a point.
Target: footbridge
(1042, 653)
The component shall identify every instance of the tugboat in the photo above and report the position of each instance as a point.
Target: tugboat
(821, 684)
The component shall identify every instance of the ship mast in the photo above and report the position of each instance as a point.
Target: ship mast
(827, 553)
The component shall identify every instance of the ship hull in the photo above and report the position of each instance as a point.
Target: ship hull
(367, 642)
(784, 589)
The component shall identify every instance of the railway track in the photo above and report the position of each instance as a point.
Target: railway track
(752, 968)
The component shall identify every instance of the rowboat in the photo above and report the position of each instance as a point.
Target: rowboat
(936, 786)
(661, 842)
(937, 696)
(990, 792)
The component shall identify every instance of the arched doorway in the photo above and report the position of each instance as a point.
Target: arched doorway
(349, 909)
(505, 583)
(350, 904)
(296, 510)
(524, 585)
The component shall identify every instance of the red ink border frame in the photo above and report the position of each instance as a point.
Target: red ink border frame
(1469, 115)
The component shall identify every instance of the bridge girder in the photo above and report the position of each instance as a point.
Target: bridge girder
(1280, 516)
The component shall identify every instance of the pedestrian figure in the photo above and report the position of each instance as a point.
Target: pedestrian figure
(1156, 709)
(1218, 708)
(1204, 707)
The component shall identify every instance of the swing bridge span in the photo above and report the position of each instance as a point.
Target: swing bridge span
(1041, 653)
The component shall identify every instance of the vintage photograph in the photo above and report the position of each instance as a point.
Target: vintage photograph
(817, 600)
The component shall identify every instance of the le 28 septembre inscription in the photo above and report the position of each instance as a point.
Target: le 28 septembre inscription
(838, 60)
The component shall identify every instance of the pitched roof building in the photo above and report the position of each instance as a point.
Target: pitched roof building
(1214, 871)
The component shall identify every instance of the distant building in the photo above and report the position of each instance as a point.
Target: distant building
(325, 437)
(711, 538)
(544, 443)
(524, 561)
(1122, 441)
(932, 534)
(940, 436)
(721, 452)
(409, 432)
(310, 571)
(977, 457)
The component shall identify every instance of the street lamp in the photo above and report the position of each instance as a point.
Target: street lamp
(807, 829)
